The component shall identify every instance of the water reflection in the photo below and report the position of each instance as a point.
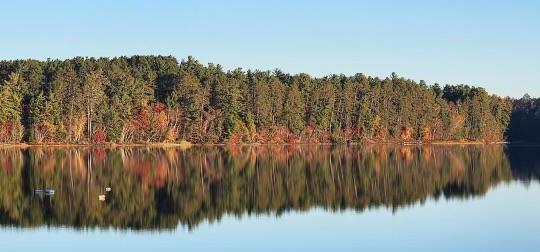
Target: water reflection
(158, 188)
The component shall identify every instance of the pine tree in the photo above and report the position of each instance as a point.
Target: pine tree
(11, 129)
(294, 110)
(93, 95)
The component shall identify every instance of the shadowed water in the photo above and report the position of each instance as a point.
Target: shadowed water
(172, 190)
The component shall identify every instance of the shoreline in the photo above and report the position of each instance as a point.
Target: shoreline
(186, 145)
(183, 144)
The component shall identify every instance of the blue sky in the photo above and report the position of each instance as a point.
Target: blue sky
(494, 44)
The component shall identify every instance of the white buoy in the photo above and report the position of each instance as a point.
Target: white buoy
(101, 197)
(107, 189)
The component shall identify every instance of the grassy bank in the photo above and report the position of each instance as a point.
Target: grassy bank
(181, 144)
(186, 144)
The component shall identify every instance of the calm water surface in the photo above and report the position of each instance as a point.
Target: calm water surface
(376, 198)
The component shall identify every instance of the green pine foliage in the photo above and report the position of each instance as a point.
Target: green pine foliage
(158, 99)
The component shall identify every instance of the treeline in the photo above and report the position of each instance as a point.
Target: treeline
(157, 99)
(525, 121)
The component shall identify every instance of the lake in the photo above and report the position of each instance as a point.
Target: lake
(271, 198)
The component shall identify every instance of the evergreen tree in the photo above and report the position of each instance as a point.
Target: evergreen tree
(294, 110)
(11, 130)
(93, 96)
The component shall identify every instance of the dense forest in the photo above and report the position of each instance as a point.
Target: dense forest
(525, 120)
(144, 99)
(159, 188)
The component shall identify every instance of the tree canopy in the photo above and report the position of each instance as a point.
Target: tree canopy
(158, 99)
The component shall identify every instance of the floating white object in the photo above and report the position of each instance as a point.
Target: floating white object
(107, 189)
(47, 191)
(101, 197)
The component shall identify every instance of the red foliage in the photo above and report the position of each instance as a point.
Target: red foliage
(161, 120)
(292, 139)
(5, 131)
(158, 107)
(142, 121)
(309, 130)
(279, 136)
(99, 136)
(235, 139)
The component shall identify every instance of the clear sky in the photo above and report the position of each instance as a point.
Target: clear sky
(494, 44)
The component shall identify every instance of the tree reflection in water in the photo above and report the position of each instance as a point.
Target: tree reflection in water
(157, 188)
